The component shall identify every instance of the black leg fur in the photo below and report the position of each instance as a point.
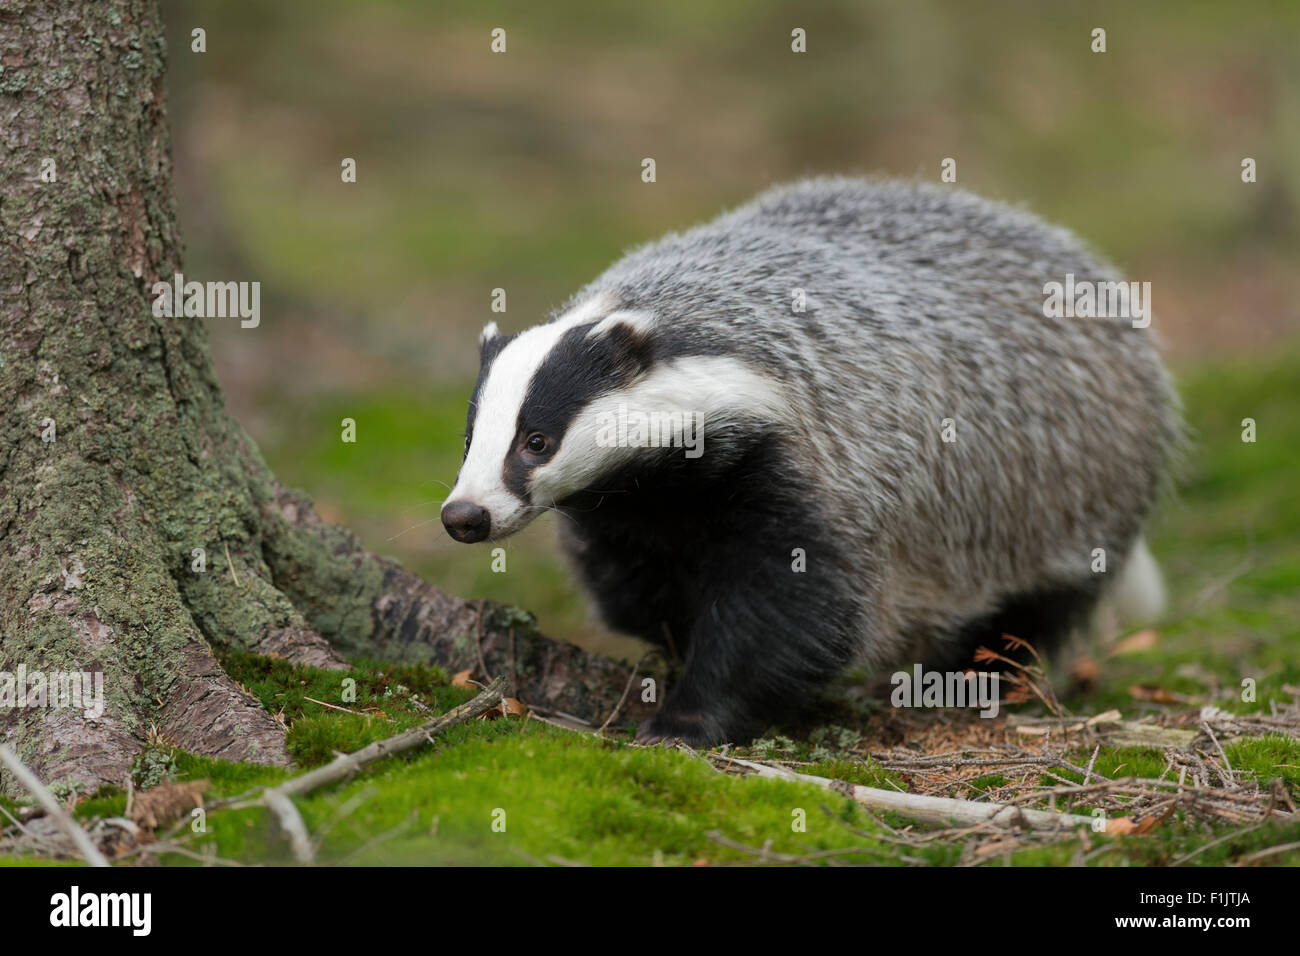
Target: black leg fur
(1043, 618)
(711, 562)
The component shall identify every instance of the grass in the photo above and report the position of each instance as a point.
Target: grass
(1227, 542)
(545, 159)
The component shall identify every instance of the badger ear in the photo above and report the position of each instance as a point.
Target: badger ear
(632, 324)
(490, 332)
(627, 334)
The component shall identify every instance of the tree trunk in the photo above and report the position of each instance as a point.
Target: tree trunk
(118, 461)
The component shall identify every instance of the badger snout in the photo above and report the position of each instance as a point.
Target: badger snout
(466, 521)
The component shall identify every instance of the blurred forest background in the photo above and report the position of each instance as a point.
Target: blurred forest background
(522, 171)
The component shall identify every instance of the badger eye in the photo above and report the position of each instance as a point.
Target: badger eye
(537, 443)
(467, 444)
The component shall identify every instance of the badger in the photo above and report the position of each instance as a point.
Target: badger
(875, 446)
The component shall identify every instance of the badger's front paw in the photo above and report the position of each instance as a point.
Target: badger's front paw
(692, 730)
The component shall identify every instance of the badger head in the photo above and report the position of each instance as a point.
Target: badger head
(539, 426)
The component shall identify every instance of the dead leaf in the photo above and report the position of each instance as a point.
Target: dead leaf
(164, 803)
(1017, 695)
(509, 707)
(1157, 695)
(1085, 670)
(1127, 826)
(1135, 643)
(997, 848)
(1146, 825)
(464, 679)
(1014, 643)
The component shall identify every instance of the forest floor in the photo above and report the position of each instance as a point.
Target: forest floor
(1189, 729)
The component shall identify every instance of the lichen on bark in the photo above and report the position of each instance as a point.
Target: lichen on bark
(102, 511)
(118, 458)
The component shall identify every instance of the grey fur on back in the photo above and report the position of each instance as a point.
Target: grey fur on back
(925, 303)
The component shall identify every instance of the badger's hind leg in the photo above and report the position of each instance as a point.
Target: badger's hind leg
(1047, 617)
(1044, 618)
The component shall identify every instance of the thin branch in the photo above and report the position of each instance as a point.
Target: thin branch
(631, 678)
(344, 765)
(278, 799)
(940, 810)
(291, 822)
(1270, 851)
(89, 852)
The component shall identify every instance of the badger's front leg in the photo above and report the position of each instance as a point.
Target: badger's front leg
(767, 632)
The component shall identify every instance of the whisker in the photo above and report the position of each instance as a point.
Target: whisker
(421, 504)
(413, 527)
(556, 508)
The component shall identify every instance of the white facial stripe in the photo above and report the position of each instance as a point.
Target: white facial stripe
(714, 390)
(497, 416)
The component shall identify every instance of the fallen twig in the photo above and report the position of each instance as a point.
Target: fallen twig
(938, 810)
(344, 765)
(766, 854)
(277, 799)
(291, 822)
(631, 678)
(348, 710)
(1270, 851)
(89, 852)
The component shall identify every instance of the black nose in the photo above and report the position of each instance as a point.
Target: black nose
(466, 521)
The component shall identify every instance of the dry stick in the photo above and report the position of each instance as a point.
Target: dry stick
(1271, 851)
(767, 855)
(942, 810)
(277, 799)
(1205, 846)
(346, 710)
(230, 564)
(14, 820)
(345, 765)
(1087, 774)
(478, 640)
(514, 668)
(626, 690)
(1205, 725)
(291, 822)
(89, 852)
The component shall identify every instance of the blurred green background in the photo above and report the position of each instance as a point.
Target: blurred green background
(522, 171)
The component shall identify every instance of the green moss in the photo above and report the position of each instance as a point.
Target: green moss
(383, 699)
(988, 783)
(1267, 758)
(867, 773)
(564, 795)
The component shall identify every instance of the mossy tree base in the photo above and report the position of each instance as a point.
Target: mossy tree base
(118, 461)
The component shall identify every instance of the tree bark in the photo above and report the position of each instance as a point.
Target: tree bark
(98, 526)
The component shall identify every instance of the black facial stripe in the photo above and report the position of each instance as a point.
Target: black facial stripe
(577, 370)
